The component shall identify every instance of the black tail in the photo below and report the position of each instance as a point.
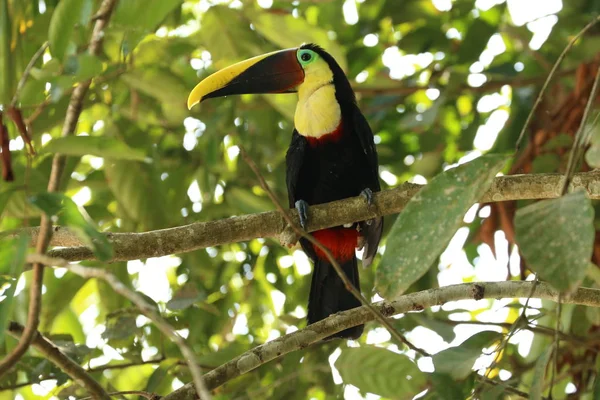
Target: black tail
(328, 295)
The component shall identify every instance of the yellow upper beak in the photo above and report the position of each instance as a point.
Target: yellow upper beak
(274, 72)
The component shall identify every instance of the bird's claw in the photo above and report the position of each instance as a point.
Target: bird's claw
(367, 194)
(302, 208)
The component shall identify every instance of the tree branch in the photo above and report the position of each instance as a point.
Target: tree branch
(182, 239)
(418, 301)
(62, 361)
(58, 163)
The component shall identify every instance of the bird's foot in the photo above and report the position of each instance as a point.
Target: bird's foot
(367, 194)
(302, 208)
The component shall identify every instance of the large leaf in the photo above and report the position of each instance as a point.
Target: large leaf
(556, 238)
(539, 372)
(227, 36)
(70, 215)
(380, 371)
(65, 17)
(100, 146)
(429, 221)
(12, 259)
(458, 361)
(138, 192)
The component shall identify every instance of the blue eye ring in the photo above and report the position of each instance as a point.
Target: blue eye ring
(306, 56)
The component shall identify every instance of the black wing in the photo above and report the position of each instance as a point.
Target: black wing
(294, 159)
(365, 136)
(371, 230)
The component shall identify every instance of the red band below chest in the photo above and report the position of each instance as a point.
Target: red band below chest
(341, 242)
(330, 137)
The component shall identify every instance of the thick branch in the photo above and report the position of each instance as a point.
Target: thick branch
(182, 239)
(62, 361)
(418, 301)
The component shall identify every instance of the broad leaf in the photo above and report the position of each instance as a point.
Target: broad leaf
(458, 361)
(556, 238)
(100, 146)
(539, 372)
(65, 17)
(138, 192)
(380, 371)
(429, 221)
(70, 215)
(12, 259)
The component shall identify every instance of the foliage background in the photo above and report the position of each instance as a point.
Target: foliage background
(438, 81)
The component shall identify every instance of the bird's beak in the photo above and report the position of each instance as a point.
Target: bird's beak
(276, 72)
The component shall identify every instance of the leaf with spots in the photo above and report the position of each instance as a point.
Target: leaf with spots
(429, 221)
(380, 371)
(556, 238)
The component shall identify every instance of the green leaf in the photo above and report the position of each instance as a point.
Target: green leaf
(597, 386)
(429, 221)
(556, 238)
(138, 191)
(83, 66)
(444, 387)
(100, 146)
(458, 361)
(62, 25)
(185, 297)
(70, 215)
(380, 371)
(5, 196)
(539, 371)
(297, 31)
(12, 259)
(158, 83)
(494, 392)
(227, 36)
(475, 41)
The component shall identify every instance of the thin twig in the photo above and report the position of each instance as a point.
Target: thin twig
(336, 266)
(153, 315)
(62, 361)
(314, 333)
(58, 163)
(483, 380)
(26, 73)
(199, 235)
(550, 76)
(583, 136)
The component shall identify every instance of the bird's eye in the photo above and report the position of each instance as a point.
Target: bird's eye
(305, 57)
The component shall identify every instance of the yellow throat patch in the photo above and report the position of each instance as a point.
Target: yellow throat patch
(317, 112)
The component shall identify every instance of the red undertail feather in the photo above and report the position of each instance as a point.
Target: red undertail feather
(331, 137)
(341, 242)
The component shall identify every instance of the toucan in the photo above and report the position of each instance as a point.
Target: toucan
(332, 156)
